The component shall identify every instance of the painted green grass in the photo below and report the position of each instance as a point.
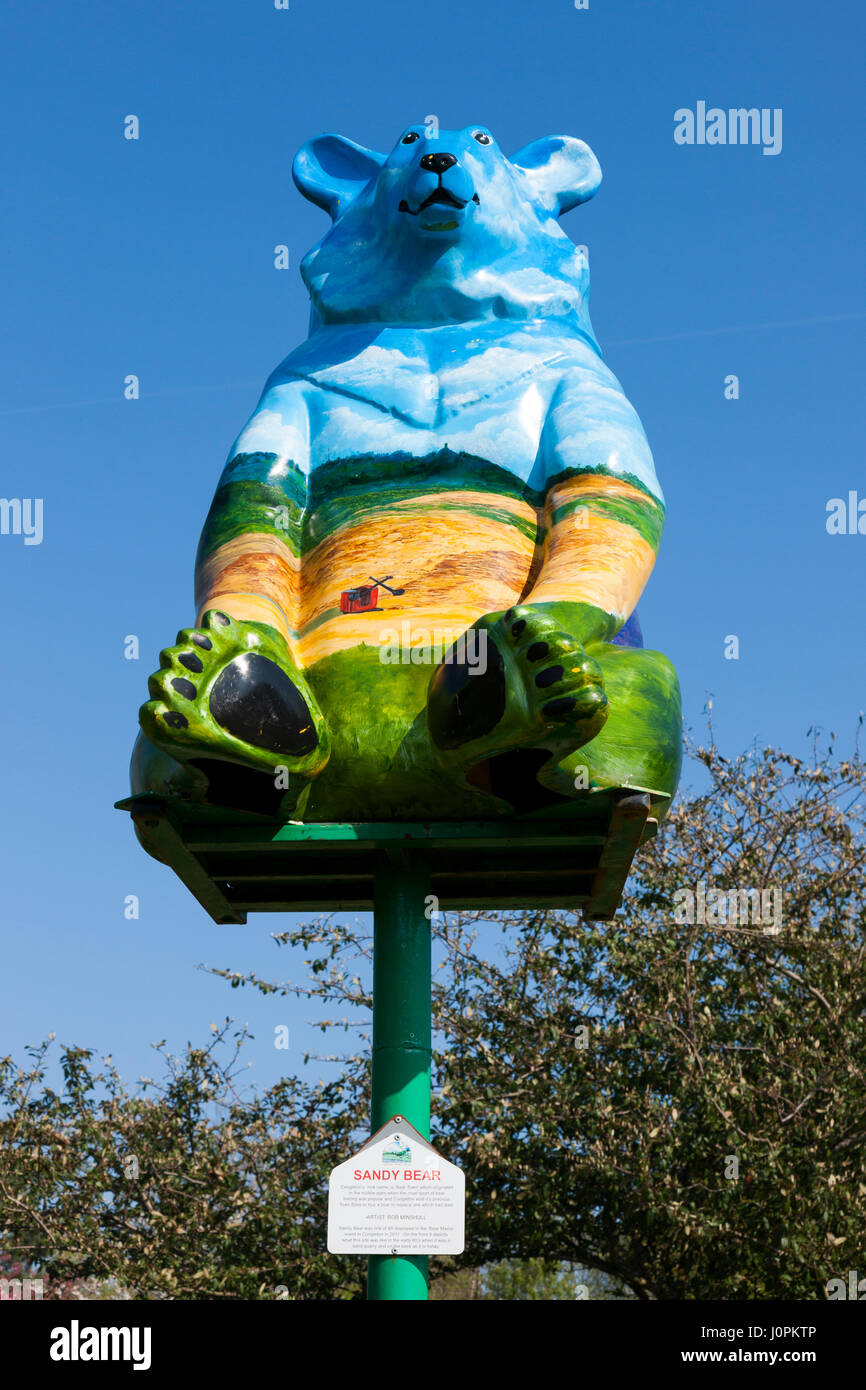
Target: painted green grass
(243, 507)
(646, 517)
(303, 512)
(382, 765)
(346, 494)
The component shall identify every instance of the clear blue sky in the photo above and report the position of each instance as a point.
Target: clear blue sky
(155, 257)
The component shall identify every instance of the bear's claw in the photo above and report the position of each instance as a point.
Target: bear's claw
(229, 691)
(571, 680)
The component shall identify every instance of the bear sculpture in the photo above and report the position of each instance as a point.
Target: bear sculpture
(416, 583)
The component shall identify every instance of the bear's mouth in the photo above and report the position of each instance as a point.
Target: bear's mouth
(439, 195)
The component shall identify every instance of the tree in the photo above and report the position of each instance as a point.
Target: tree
(675, 1098)
(703, 1138)
(532, 1280)
(181, 1189)
(673, 1101)
(545, 1280)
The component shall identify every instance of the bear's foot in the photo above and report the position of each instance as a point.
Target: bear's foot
(229, 691)
(515, 684)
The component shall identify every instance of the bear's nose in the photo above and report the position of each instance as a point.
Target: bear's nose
(438, 163)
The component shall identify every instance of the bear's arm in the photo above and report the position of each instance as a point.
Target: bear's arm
(248, 559)
(603, 509)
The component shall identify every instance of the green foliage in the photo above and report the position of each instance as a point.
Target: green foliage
(680, 1105)
(668, 1107)
(537, 1279)
(181, 1189)
(520, 1280)
(707, 1140)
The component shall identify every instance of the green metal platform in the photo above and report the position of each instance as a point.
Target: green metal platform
(256, 865)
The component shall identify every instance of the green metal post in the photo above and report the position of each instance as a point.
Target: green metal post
(401, 1035)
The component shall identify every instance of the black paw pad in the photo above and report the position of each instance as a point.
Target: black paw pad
(549, 677)
(255, 700)
(537, 651)
(465, 703)
(191, 661)
(557, 709)
(201, 641)
(174, 720)
(221, 619)
(518, 627)
(184, 687)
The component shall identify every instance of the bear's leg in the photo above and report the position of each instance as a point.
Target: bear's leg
(516, 681)
(509, 711)
(229, 691)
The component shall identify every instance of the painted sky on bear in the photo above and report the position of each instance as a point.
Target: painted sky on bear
(157, 258)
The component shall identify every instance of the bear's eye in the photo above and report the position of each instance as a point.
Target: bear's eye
(410, 138)
(482, 138)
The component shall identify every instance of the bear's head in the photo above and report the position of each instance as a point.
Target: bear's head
(446, 229)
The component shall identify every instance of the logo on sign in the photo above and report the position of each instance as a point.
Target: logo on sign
(396, 1152)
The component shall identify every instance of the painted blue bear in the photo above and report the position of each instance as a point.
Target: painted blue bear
(415, 583)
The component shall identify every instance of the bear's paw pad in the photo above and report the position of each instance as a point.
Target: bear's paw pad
(228, 690)
(534, 688)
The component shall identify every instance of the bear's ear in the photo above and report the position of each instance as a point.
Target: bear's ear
(562, 171)
(331, 171)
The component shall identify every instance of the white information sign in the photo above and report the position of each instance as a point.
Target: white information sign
(396, 1196)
